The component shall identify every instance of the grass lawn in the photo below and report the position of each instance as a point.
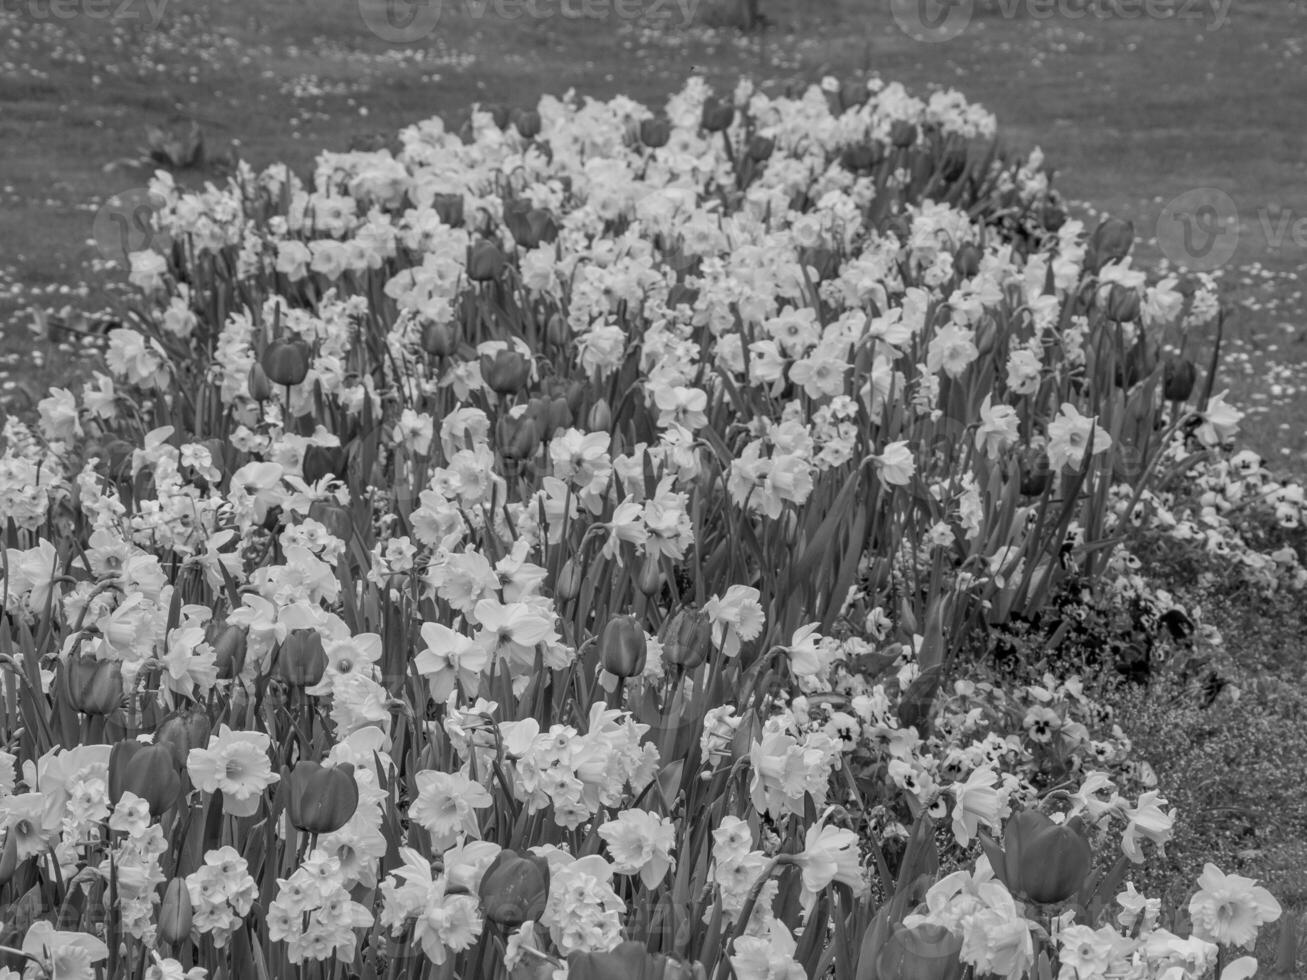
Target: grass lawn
(1131, 113)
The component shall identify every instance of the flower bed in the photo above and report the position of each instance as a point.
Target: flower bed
(560, 549)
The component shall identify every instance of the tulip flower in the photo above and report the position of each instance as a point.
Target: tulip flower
(258, 384)
(515, 888)
(321, 799)
(506, 371)
(655, 132)
(148, 771)
(922, 952)
(94, 686)
(688, 639)
(183, 731)
(1178, 379)
(286, 362)
(717, 116)
(623, 647)
(302, 660)
(630, 961)
(1045, 861)
(485, 262)
(450, 209)
(439, 339)
(176, 913)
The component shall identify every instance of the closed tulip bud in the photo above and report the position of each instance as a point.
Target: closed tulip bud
(334, 517)
(954, 164)
(655, 132)
(853, 93)
(322, 799)
(286, 361)
(514, 888)
(322, 461)
(95, 687)
(923, 952)
(556, 329)
(649, 579)
(485, 261)
(527, 122)
(500, 113)
(148, 771)
(903, 134)
(630, 961)
(717, 115)
(761, 149)
(302, 661)
(506, 371)
(228, 644)
(858, 156)
(600, 418)
(688, 639)
(450, 209)
(175, 913)
(259, 385)
(1122, 304)
(568, 586)
(558, 414)
(966, 261)
(1178, 379)
(518, 435)
(623, 648)
(1054, 216)
(1045, 861)
(439, 339)
(1111, 242)
(182, 731)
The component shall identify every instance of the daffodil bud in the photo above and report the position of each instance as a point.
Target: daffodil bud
(514, 888)
(94, 686)
(148, 771)
(302, 661)
(688, 639)
(485, 261)
(506, 371)
(175, 913)
(1045, 861)
(259, 385)
(718, 115)
(182, 731)
(286, 361)
(1178, 379)
(923, 952)
(322, 799)
(623, 648)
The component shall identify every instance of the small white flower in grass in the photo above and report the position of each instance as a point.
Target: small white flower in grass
(1230, 909)
(640, 843)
